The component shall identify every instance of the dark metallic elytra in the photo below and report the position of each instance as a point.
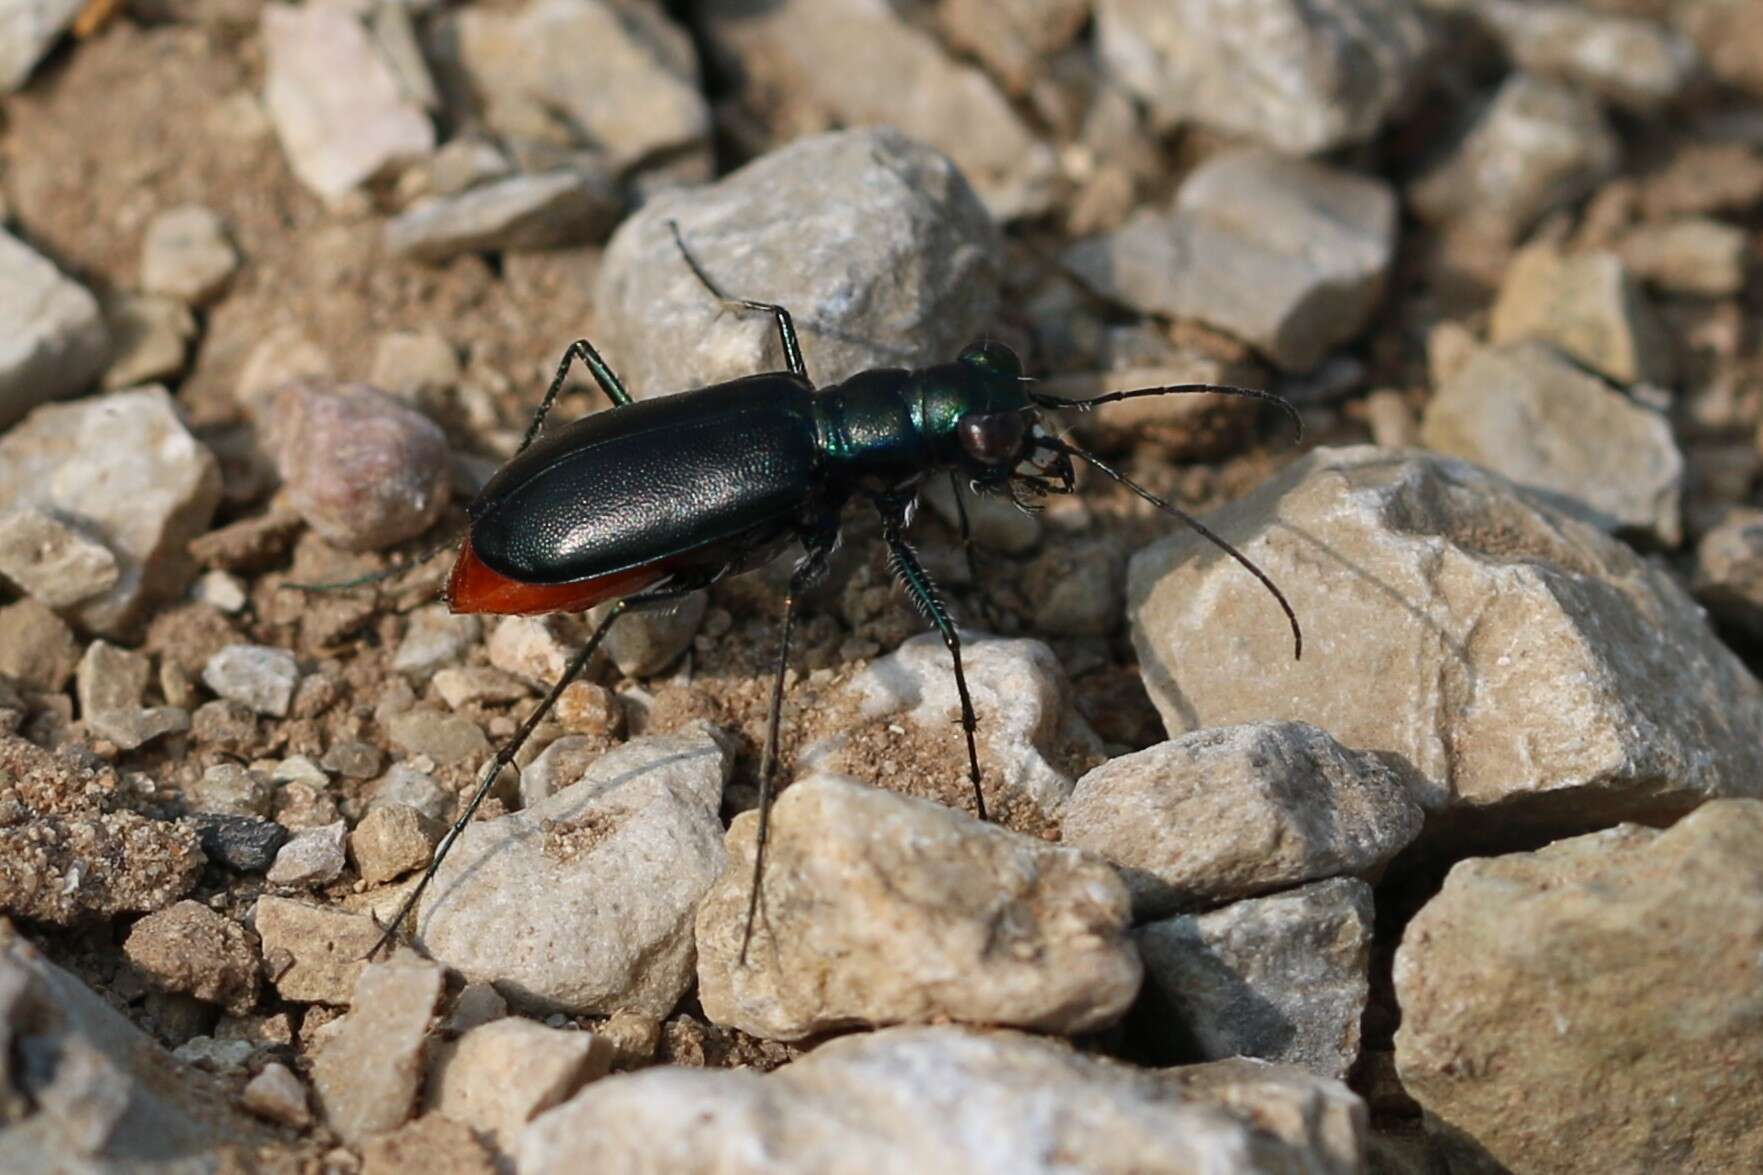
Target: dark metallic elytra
(646, 502)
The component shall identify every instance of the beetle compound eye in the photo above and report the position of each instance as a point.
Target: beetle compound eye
(993, 357)
(992, 438)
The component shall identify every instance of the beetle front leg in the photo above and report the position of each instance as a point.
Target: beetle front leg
(923, 590)
(598, 367)
(786, 326)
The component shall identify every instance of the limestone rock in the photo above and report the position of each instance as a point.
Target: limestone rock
(1302, 78)
(1288, 255)
(312, 954)
(498, 1077)
(879, 908)
(873, 241)
(123, 468)
(55, 563)
(907, 1100)
(186, 254)
(1283, 978)
(1526, 412)
(1623, 962)
(1532, 670)
(584, 902)
(522, 212)
(1228, 813)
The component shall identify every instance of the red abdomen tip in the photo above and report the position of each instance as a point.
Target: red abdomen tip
(473, 587)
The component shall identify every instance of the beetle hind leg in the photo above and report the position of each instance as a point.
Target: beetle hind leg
(603, 375)
(786, 326)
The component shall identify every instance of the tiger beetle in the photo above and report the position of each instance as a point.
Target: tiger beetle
(650, 501)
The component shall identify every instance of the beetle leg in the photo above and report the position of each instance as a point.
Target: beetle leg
(603, 375)
(509, 749)
(971, 552)
(820, 544)
(786, 326)
(923, 590)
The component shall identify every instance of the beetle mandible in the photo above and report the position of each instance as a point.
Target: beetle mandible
(649, 501)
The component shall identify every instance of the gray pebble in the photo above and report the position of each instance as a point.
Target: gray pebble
(53, 561)
(434, 638)
(311, 857)
(56, 342)
(257, 676)
(522, 212)
(445, 738)
(231, 789)
(352, 760)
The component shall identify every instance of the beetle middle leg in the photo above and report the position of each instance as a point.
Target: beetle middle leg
(603, 375)
(509, 749)
(786, 326)
(819, 543)
(923, 590)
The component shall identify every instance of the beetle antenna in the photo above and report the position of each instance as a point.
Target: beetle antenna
(1284, 404)
(1197, 526)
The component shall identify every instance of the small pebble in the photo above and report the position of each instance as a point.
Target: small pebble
(368, 1071)
(434, 638)
(352, 760)
(311, 858)
(476, 1004)
(414, 364)
(191, 949)
(312, 954)
(404, 785)
(256, 676)
(244, 843)
(150, 339)
(56, 342)
(445, 738)
(111, 678)
(537, 648)
(231, 789)
(363, 468)
(277, 1095)
(220, 589)
(186, 255)
(392, 840)
(521, 212)
(215, 1056)
(498, 1077)
(477, 684)
(37, 648)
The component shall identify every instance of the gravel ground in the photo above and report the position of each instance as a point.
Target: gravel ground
(1472, 886)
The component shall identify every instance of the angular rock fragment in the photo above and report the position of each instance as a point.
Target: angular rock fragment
(311, 954)
(1289, 256)
(335, 99)
(1528, 413)
(498, 1077)
(55, 563)
(190, 948)
(56, 341)
(898, 266)
(369, 1070)
(124, 469)
(186, 254)
(849, 62)
(1301, 78)
(879, 908)
(257, 676)
(584, 903)
(1587, 305)
(1537, 145)
(1531, 669)
(1227, 813)
(1623, 962)
(1283, 978)
(522, 212)
(27, 32)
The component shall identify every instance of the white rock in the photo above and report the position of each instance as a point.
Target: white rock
(646, 642)
(520, 213)
(369, 1069)
(275, 1093)
(1283, 978)
(1587, 305)
(186, 254)
(257, 676)
(535, 648)
(1301, 77)
(1528, 413)
(1317, 1114)
(1226, 813)
(434, 637)
(1531, 669)
(1288, 255)
(312, 857)
(55, 342)
(875, 242)
(498, 1077)
(335, 100)
(906, 1101)
(585, 902)
(1023, 703)
(1638, 63)
(125, 469)
(878, 909)
(312, 954)
(52, 561)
